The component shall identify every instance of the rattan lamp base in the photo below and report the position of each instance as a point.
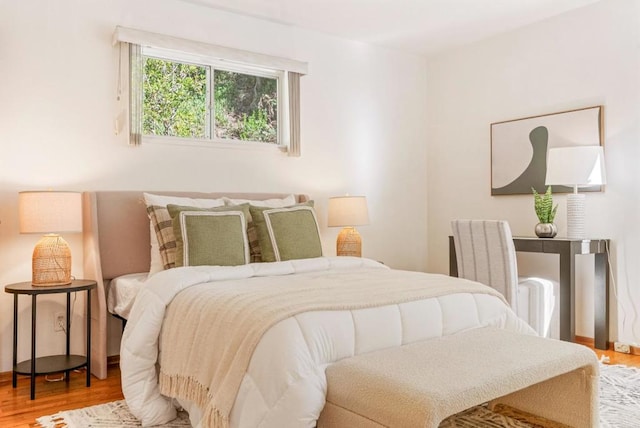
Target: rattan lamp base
(51, 263)
(349, 243)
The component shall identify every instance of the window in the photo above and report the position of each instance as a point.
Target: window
(187, 98)
(185, 92)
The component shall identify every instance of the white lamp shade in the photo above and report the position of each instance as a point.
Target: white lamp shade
(348, 211)
(576, 166)
(47, 212)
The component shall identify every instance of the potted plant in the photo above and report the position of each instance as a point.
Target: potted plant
(546, 213)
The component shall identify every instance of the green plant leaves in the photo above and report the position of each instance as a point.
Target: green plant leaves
(543, 205)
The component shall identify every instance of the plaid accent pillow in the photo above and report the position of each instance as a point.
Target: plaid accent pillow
(255, 255)
(163, 227)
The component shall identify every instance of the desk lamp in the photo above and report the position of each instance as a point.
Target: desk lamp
(576, 166)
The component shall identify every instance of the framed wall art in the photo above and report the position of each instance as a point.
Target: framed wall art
(519, 147)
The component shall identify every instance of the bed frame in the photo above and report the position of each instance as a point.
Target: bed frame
(116, 242)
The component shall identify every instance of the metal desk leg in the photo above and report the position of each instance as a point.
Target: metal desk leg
(567, 296)
(601, 301)
(453, 258)
(33, 347)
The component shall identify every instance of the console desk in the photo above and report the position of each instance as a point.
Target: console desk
(568, 249)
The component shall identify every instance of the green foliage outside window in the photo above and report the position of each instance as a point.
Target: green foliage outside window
(174, 99)
(175, 103)
(246, 107)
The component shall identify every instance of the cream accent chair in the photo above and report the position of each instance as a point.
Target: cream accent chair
(485, 253)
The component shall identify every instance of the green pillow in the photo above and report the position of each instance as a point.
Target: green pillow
(287, 233)
(210, 236)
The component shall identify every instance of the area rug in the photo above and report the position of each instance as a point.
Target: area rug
(110, 415)
(619, 408)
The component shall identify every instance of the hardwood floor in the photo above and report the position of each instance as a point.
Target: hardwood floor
(618, 358)
(16, 410)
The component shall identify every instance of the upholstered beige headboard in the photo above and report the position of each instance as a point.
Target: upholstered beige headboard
(116, 242)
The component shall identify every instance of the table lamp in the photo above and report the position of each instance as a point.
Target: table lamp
(348, 211)
(576, 166)
(50, 213)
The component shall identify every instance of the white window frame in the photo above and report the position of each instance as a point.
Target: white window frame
(235, 60)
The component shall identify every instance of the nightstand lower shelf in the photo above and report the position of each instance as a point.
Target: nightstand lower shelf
(52, 364)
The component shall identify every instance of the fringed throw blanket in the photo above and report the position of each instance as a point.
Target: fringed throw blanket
(211, 329)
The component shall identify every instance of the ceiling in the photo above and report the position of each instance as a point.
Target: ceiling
(424, 27)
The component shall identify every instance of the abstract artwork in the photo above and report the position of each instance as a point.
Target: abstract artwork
(519, 148)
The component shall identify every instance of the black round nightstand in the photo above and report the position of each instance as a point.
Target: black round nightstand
(53, 363)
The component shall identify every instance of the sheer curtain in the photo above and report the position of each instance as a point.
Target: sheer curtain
(135, 94)
(294, 113)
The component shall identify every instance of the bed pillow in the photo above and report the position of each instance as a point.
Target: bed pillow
(252, 233)
(163, 243)
(287, 201)
(210, 236)
(287, 233)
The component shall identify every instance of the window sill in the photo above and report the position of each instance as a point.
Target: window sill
(239, 145)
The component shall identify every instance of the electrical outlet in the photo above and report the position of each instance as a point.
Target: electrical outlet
(59, 321)
(621, 347)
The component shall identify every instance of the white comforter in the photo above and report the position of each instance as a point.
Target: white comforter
(285, 383)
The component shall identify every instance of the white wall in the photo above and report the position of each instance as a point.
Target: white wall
(587, 57)
(362, 120)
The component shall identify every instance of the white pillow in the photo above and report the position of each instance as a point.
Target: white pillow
(162, 201)
(269, 203)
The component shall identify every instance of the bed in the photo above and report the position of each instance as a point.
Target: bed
(116, 243)
(282, 322)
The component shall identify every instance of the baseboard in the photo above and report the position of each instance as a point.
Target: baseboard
(590, 342)
(5, 378)
(113, 360)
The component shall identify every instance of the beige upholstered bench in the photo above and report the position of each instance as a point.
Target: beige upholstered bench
(420, 384)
